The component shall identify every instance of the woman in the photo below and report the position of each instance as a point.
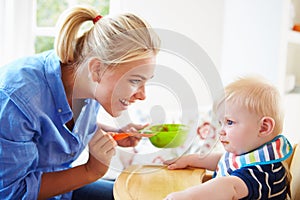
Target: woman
(49, 103)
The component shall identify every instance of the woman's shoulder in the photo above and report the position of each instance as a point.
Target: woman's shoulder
(27, 79)
(27, 68)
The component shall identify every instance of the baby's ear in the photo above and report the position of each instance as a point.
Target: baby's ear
(267, 125)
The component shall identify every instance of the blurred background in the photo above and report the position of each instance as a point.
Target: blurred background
(206, 44)
(238, 37)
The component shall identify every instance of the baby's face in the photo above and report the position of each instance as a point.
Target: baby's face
(239, 129)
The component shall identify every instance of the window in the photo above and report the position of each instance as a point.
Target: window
(47, 14)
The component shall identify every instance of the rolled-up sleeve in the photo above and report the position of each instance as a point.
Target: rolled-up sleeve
(19, 177)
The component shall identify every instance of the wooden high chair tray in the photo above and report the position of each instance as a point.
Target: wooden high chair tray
(150, 182)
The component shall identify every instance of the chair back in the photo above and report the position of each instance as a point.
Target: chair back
(295, 173)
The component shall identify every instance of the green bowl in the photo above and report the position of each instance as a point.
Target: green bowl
(169, 135)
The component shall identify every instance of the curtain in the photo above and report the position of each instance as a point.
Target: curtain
(16, 29)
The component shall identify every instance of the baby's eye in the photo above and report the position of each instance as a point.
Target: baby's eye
(229, 122)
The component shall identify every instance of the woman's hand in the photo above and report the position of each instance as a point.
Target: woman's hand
(101, 150)
(131, 141)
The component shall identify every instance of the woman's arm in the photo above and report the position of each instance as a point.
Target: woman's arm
(101, 149)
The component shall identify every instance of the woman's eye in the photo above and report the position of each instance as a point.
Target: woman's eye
(135, 81)
(229, 122)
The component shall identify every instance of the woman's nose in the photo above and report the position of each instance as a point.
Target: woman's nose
(140, 94)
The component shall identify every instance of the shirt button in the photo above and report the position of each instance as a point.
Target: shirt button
(59, 110)
(72, 154)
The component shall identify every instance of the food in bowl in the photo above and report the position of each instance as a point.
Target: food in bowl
(168, 135)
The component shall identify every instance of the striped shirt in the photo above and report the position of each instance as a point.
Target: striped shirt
(261, 169)
(264, 181)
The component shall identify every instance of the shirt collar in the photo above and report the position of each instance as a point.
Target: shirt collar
(276, 150)
(53, 76)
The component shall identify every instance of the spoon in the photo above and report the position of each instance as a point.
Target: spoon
(143, 133)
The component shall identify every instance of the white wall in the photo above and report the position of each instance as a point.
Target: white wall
(200, 20)
(252, 35)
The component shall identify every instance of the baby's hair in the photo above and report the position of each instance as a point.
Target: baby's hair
(256, 95)
(113, 40)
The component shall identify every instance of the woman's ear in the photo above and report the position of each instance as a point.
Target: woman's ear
(267, 125)
(95, 69)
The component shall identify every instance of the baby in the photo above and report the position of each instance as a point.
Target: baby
(251, 120)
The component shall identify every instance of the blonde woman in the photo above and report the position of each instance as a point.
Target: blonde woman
(251, 122)
(49, 103)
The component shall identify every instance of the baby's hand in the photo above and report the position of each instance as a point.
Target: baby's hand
(177, 163)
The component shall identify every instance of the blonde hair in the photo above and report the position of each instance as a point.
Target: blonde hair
(113, 40)
(256, 95)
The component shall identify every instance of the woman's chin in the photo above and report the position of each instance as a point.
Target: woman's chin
(116, 113)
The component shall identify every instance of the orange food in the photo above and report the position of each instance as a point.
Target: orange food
(296, 27)
(120, 136)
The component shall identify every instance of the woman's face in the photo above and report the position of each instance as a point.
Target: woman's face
(122, 85)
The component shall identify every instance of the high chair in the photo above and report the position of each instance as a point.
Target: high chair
(145, 182)
(295, 173)
(150, 182)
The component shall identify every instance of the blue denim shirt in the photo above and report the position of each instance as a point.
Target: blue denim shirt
(33, 135)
